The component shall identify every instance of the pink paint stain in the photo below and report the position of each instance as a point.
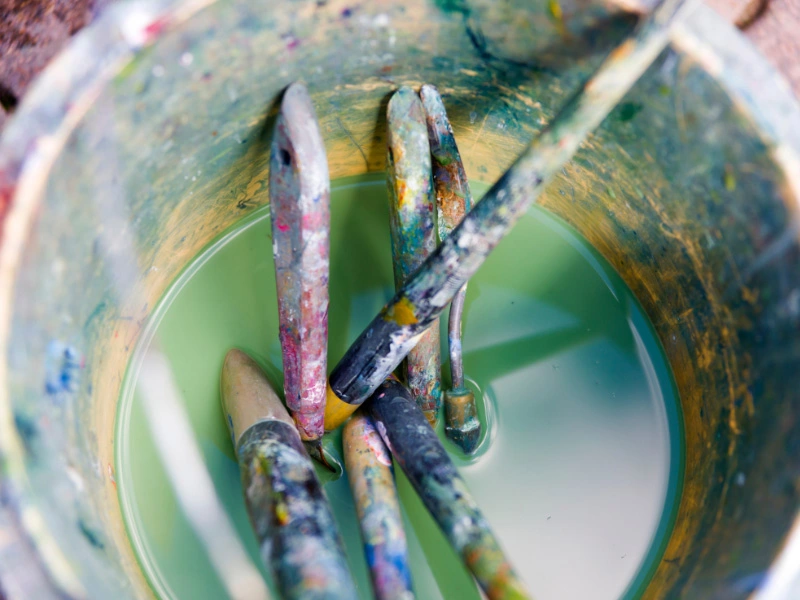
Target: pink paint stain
(315, 220)
(292, 41)
(373, 440)
(152, 30)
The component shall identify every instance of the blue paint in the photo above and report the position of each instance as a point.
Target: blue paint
(91, 536)
(62, 370)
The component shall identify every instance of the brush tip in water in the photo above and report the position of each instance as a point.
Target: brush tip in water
(462, 425)
(317, 451)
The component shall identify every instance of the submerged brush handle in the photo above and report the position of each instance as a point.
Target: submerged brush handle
(290, 515)
(369, 469)
(396, 328)
(299, 191)
(453, 201)
(411, 211)
(417, 449)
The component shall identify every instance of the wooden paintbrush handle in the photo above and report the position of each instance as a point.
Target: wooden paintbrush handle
(299, 189)
(411, 211)
(369, 469)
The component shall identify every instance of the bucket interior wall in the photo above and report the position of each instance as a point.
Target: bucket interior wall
(681, 189)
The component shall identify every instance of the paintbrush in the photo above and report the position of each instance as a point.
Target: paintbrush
(411, 212)
(299, 191)
(369, 469)
(294, 524)
(420, 454)
(397, 327)
(453, 201)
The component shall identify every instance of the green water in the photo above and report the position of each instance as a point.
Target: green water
(578, 471)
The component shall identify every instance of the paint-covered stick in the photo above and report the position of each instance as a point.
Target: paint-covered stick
(451, 187)
(369, 469)
(411, 211)
(299, 190)
(453, 201)
(394, 331)
(291, 517)
(417, 449)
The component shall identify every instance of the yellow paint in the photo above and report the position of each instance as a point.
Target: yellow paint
(282, 513)
(337, 411)
(401, 189)
(557, 15)
(402, 312)
(555, 10)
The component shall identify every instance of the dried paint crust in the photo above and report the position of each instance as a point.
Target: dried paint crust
(291, 516)
(394, 331)
(369, 469)
(453, 201)
(417, 449)
(300, 200)
(411, 211)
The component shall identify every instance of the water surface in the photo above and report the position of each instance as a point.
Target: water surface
(578, 472)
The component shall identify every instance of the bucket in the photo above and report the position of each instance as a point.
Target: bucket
(149, 135)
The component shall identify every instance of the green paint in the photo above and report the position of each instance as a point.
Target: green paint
(729, 179)
(628, 110)
(582, 451)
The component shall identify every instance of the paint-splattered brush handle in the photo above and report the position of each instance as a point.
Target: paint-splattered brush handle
(453, 196)
(299, 189)
(453, 202)
(411, 210)
(420, 454)
(369, 468)
(394, 331)
(291, 517)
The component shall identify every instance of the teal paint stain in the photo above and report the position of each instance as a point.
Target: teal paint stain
(629, 110)
(91, 536)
